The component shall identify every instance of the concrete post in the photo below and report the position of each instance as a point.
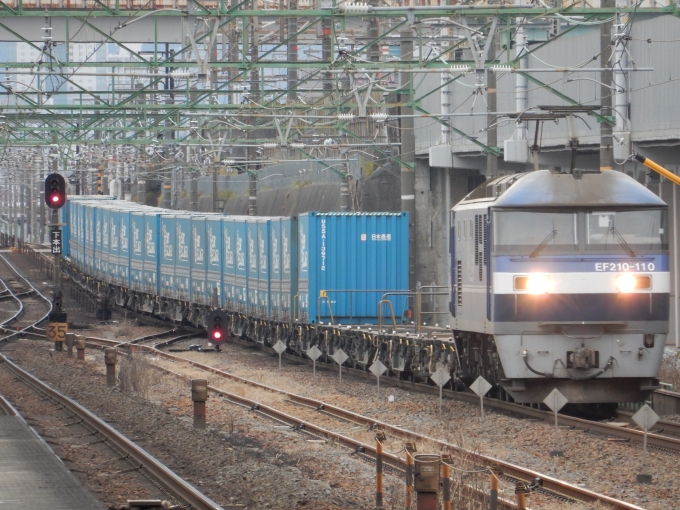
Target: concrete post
(110, 359)
(70, 342)
(141, 191)
(199, 395)
(80, 347)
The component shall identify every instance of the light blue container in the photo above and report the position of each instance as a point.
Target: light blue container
(235, 263)
(123, 278)
(289, 268)
(214, 243)
(252, 268)
(114, 245)
(365, 253)
(199, 261)
(137, 229)
(168, 255)
(89, 211)
(184, 246)
(275, 269)
(102, 216)
(151, 247)
(264, 276)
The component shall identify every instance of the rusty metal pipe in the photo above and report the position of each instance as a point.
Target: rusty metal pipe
(446, 488)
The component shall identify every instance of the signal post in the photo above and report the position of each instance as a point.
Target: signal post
(55, 198)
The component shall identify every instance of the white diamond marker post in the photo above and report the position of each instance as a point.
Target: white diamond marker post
(340, 357)
(279, 347)
(313, 352)
(555, 401)
(481, 387)
(378, 369)
(646, 418)
(440, 378)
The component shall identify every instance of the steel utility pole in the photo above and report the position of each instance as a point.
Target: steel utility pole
(606, 147)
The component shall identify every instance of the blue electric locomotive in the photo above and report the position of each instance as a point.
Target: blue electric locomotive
(561, 281)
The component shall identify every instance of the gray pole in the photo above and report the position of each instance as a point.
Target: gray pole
(408, 149)
(492, 133)
(292, 53)
(606, 148)
(194, 192)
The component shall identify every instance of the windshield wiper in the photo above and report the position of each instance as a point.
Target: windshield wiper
(543, 244)
(619, 238)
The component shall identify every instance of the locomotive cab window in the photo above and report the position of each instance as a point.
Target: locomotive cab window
(533, 233)
(626, 231)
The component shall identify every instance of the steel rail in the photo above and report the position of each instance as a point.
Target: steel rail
(7, 408)
(27, 329)
(306, 426)
(172, 481)
(553, 485)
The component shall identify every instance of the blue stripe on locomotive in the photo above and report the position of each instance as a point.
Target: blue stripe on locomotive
(213, 229)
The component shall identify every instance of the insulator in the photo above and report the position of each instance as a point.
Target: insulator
(180, 75)
(502, 69)
(461, 69)
(380, 117)
(355, 9)
(270, 145)
(345, 116)
(297, 145)
(228, 161)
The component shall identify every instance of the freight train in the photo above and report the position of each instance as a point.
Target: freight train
(557, 281)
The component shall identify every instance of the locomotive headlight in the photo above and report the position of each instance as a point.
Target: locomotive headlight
(536, 283)
(628, 282)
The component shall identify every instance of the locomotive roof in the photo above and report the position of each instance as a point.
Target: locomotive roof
(546, 189)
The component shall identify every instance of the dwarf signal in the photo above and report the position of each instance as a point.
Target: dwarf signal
(217, 325)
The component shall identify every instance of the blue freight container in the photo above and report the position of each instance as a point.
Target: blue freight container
(253, 270)
(263, 280)
(182, 258)
(137, 225)
(123, 278)
(151, 249)
(289, 268)
(213, 229)
(168, 258)
(365, 253)
(68, 215)
(235, 263)
(89, 243)
(275, 269)
(114, 245)
(198, 261)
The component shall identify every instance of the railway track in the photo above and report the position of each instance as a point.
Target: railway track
(175, 485)
(552, 487)
(24, 321)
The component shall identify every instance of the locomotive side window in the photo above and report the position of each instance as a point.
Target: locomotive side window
(626, 231)
(532, 233)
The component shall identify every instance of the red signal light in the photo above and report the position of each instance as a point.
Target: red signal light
(217, 335)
